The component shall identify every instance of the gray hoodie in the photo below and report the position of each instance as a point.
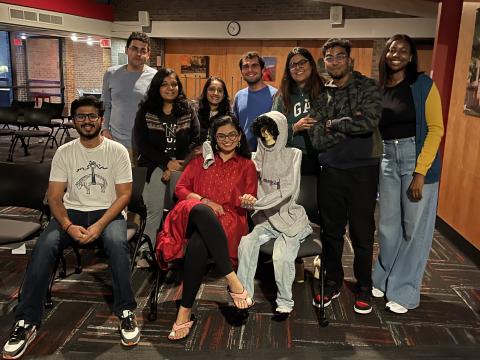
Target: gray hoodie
(279, 182)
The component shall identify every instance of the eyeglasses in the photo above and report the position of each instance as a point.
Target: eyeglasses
(339, 58)
(83, 117)
(141, 51)
(231, 136)
(300, 64)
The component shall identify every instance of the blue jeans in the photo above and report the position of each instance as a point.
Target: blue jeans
(49, 246)
(405, 229)
(285, 252)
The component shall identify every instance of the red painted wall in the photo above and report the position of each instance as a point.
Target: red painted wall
(85, 8)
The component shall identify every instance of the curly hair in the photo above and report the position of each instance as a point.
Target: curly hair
(343, 43)
(140, 36)
(87, 101)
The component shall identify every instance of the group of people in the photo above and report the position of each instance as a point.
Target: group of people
(360, 138)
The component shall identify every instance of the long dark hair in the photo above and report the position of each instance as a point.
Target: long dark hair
(411, 71)
(153, 101)
(204, 105)
(313, 86)
(243, 149)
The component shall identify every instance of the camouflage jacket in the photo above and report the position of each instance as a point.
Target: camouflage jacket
(346, 133)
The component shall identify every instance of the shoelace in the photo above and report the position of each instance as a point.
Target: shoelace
(18, 334)
(128, 322)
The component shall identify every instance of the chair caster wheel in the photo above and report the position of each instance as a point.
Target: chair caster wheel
(78, 270)
(49, 304)
(152, 316)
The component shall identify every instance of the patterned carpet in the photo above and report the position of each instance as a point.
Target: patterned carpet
(80, 324)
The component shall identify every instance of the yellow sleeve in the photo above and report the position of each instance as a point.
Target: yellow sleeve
(433, 115)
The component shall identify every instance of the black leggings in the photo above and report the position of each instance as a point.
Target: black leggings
(206, 237)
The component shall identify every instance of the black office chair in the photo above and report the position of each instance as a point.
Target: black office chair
(23, 185)
(8, 118)
(312, 245)
(57, 119)
(31, 122)
(21, 106)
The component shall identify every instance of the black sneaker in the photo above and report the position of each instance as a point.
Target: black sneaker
(20, 337)
(363, 302)
(329, 293)
(129, 329)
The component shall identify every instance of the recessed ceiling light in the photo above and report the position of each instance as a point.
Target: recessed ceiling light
(74, 37)
(90, 42)
(23, 37)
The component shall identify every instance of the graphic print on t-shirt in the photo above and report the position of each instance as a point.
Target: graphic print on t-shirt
(91, 178)
(170, 135)
(298, 109)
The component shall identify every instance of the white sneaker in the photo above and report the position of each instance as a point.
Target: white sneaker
(396, 308)
(20, 338)
(129, 331)
(282, 309)
(377, 293)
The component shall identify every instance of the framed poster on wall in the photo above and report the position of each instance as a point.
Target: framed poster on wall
(195, 66)
(270, 69)
(472, 95)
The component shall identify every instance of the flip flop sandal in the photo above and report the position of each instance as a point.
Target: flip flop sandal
(241, 296)
(186, 325)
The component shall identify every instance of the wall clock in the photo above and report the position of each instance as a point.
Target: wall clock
(233, 28)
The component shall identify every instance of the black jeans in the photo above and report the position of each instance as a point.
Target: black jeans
(348, 196)
(206, 237)
(49, 246)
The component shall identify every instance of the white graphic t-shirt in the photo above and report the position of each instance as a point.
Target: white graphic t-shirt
(91, 174)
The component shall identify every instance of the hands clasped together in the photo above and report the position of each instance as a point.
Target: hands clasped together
(85, 236)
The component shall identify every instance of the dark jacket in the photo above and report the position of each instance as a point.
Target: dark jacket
(352, 114)
(151, 141)
(422, 89)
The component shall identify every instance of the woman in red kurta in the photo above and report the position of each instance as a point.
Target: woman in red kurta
(209, 219)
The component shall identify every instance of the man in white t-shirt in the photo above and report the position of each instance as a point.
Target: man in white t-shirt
(90, 185)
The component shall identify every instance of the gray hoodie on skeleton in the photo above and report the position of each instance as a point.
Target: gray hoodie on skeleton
(279, 183)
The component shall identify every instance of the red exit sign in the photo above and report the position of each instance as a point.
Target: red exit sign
(105, 43)
(17, 42)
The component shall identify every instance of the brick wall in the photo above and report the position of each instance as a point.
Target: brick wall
(83, 67)
(68, 71)
(225, 10)
(19, 74)
(157, 48)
